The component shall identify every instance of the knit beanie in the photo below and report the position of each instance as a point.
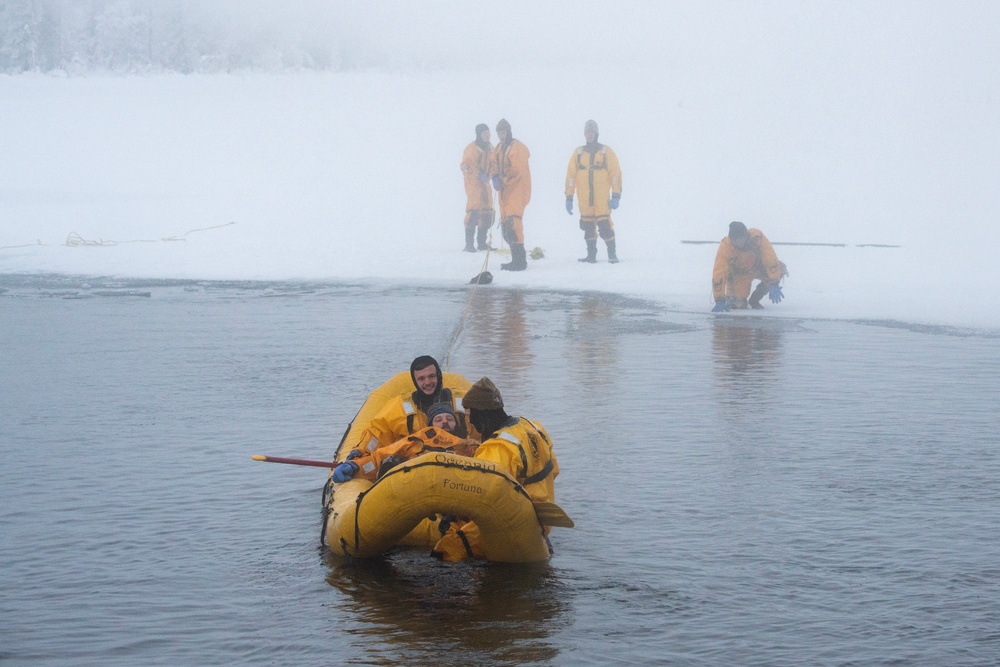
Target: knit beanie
(483, 395)
(439, 408)
(590, 126)
(737, 230)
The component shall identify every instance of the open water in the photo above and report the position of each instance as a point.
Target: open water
(747, 489)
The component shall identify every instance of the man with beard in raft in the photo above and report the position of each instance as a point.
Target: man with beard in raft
(518, 446)
(438, 437)
(405, 415)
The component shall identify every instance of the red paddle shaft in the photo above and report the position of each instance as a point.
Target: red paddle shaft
(295, 462)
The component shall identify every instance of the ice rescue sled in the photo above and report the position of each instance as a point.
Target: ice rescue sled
(362, 519)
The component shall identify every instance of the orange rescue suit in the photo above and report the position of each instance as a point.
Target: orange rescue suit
(425, 440)
(401, 417)
(735, 270)
(475, 168)
(510, 163)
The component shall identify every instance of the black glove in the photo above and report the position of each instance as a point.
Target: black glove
(388, 463)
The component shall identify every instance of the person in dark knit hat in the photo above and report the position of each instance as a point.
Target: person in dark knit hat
(518, 446)
(745, 255)
(406, 414)
(475, 166)
(442, 415)
(438, 437)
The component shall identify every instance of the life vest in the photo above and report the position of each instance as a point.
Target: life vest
(533, 449)
(425, 440)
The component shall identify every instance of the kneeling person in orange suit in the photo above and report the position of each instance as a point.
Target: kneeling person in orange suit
(518, 446)
(438, 437)
(746, 255)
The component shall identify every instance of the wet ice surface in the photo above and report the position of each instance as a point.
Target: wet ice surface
(747, 489)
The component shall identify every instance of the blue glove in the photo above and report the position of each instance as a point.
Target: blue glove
(345, 471)
(496, 183)
(354, 454)
(484, 177)
(722, 306)
(775, 294)
(569, 205)
(614, 200)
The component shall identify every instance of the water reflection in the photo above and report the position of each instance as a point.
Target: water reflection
(410, 609)
(747, 357)
(495, 329)
(593, 332)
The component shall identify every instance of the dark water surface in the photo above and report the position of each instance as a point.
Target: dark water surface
(748, 490)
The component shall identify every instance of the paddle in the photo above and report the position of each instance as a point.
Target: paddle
(295, 462)
(550, 514)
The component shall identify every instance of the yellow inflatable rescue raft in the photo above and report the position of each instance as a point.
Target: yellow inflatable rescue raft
(404, 507)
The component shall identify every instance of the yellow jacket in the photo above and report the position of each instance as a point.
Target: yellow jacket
(734, 266)
(510, 163)
(428, 439)
(523, 449)
(594, 176)
(476, 163)
(401, 417)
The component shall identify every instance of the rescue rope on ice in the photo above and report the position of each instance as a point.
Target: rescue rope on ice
(74, 240)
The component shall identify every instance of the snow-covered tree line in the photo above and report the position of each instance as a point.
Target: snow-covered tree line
(136, 36)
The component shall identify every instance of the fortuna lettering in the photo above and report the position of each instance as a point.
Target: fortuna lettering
(467, 462)
(461, 486)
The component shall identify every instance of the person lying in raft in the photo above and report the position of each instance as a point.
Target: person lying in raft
(405, 415)
(518, 446)
(438, 437)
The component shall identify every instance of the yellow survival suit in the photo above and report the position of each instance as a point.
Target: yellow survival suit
(425, 440)
(403, 415)
(595, 175)
(523, 449)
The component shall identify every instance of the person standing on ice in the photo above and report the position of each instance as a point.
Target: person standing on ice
(744, 256)
(596, 177)
(475, 167)
(512, 179)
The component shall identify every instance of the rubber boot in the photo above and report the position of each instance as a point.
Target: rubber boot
(518, 258)
(591, 257)
(481, 239)
(470, 233)
(612, 257)
(757, 295)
